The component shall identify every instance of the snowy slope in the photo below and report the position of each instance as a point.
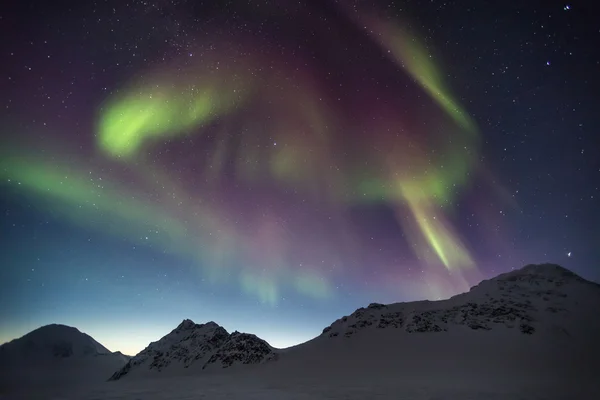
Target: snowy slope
(200, 346)
(537, 327)
(535, 299)
(55, 354)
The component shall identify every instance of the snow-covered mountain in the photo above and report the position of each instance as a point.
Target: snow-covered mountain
(536, 299)
(55, 354)
(50, 342)
(538, 323)
(533, 327)
(200, 346)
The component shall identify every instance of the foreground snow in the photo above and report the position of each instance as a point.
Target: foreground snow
(239, 387)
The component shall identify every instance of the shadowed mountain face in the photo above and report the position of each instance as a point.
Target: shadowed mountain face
(50, 342)
(56, 355)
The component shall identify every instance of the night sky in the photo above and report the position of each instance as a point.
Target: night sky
(274, 165)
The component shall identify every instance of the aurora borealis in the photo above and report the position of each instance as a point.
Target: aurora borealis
(278, 162)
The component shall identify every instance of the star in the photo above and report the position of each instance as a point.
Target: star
(395, 170)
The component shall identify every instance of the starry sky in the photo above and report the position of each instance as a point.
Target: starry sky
(274, 165)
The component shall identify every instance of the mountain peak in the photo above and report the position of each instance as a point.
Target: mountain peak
(545, 271)
(57, 328)
(186, 324)
(204, 346)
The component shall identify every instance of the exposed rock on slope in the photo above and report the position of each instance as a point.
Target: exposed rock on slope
(206, 345)
(242, 348)
(526, 300)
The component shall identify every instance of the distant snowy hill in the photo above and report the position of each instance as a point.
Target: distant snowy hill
(52, 341)
(53, 354)
(201, 346)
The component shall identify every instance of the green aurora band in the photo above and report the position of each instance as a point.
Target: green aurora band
(158, 112)
(94, 202)
(158, 109)
(144, 115)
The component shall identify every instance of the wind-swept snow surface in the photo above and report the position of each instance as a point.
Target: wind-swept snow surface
(259, 386)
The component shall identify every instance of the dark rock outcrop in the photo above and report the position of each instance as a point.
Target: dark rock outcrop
(205, 345)
(518, 299)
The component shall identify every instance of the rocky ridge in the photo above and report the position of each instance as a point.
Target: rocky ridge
(208, 345)
(522, 300)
